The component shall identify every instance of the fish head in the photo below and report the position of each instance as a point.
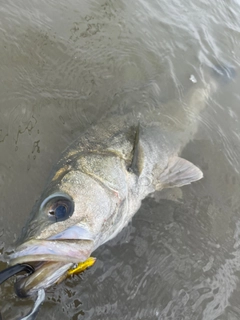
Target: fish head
(76, 213)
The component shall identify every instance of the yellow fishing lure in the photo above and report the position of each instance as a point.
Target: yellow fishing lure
(81, 266)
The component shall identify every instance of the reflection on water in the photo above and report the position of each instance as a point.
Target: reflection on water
(64, 65)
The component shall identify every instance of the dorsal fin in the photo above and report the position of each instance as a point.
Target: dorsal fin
(134, 166)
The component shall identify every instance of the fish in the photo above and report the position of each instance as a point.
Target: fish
(99, 182)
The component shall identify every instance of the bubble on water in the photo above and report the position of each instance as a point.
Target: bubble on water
(193, 78)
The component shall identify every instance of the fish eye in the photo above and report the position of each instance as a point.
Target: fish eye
(58, 207)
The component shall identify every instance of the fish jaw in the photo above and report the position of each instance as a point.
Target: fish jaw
(52, 250)
(46, 275)
(57, 272)
(51, 259)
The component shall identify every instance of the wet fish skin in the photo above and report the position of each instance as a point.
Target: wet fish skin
(106, 174)
(105, 190)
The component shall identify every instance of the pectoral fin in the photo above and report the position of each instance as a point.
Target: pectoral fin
(178, 173)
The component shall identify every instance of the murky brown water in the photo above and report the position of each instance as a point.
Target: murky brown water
(63, 65)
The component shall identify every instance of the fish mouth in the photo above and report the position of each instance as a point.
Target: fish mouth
(72, 244)
(52, 250)
(51, 260)
(46, 274)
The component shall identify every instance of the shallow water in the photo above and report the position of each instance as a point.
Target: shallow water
(63, 66)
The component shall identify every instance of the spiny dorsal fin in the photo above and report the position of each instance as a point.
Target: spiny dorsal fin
(134, 166)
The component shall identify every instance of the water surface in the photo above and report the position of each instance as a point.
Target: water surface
(64, 65)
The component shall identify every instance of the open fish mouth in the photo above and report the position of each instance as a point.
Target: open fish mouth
(51, 260)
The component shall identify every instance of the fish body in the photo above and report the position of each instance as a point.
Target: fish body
(99, 182)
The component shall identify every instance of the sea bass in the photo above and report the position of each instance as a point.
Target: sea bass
(99, 182)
